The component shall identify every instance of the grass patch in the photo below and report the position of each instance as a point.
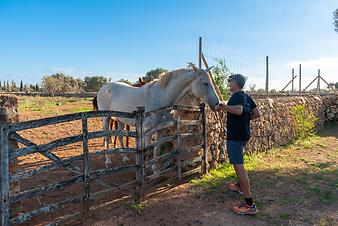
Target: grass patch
(292, 165)
(54, 105)
(138, 208)
(81, 109)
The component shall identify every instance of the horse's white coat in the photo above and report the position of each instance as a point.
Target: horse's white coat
(167, 91)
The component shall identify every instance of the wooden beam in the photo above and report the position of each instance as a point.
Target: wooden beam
(178, 144)
(23, 175)
(44, 210)
(42, 190)
(212, 79)
(311, 83)
(66, 118)
(86, 176)
(45, 147)
(4, 153)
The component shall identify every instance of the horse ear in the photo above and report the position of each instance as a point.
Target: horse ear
(192, 66)
(209, 68)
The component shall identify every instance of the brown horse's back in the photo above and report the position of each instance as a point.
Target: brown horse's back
(95, 106)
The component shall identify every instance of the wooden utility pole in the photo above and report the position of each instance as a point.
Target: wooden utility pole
(293, 75)
(200, 53)
(318, 82)
(212, 79)
(267, 75)
(300, 78)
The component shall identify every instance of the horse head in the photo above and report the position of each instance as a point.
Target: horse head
(203, 87)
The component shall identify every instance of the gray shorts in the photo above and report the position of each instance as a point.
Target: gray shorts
(235, 151)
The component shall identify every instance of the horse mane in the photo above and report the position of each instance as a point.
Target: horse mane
(165, 78)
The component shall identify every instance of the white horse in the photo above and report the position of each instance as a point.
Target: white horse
(167, 91)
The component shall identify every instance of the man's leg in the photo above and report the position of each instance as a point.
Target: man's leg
(235, 153)
(243, 180)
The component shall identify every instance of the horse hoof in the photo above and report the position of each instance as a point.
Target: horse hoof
(125, 158)
(108, 163)
(155, 171)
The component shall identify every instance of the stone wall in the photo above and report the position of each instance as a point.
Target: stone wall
(274, 128)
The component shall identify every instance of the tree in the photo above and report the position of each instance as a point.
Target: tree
(60, 83)
(125, 81)
(335, 20)
(94, 83)
(252, 87)
(21, 86)
(13, 87)
(333, 85)
(37, 89)
(154, 74)
(221, 74)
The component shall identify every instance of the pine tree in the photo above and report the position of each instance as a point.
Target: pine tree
(13, 86)
(21, 86)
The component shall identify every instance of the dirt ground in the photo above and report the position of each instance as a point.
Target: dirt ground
(296, 186)
(45, 134)
(40, 108)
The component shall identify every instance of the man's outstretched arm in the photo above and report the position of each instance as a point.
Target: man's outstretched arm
(235, 109)
(255, 113)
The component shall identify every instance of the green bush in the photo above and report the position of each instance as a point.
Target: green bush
(221, 73)
(305, 121)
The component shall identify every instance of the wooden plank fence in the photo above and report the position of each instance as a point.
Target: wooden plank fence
(145, 180)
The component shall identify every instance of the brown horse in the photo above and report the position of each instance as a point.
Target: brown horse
(113, 124)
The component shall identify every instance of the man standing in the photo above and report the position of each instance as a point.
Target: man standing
(241, 109)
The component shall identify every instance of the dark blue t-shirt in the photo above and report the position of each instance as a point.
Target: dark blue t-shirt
(238, 126)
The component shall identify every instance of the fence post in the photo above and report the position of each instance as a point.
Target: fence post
(86, 197)
(300, 79)
(267, 75)
(200, 52)
(293, 77)
(4, 151)
(318, 82)
(204, 139)
(178, 144)
(140, 172)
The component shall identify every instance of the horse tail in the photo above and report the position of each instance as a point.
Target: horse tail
(95, 106)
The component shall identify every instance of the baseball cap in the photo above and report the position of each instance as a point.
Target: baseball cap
(238, 78)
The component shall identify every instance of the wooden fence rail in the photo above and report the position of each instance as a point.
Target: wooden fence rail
(82, 173)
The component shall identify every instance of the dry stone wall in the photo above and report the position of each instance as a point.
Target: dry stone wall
(274, 128)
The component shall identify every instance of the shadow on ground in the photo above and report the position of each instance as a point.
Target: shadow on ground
(294, 187)
(329, 130)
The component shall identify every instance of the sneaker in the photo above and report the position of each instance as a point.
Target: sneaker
(235, 187)
(244, 209)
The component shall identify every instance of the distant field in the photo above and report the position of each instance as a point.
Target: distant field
(53, 105)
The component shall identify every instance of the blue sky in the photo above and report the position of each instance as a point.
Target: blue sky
(125, 39)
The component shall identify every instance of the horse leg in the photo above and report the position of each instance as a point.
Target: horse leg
(106, 139)
(110, 123)
(116, 128)
(120, 128)
(111, 127)
(127, 138)
(156, 154)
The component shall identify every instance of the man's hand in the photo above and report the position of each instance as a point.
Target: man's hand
(220, 106)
